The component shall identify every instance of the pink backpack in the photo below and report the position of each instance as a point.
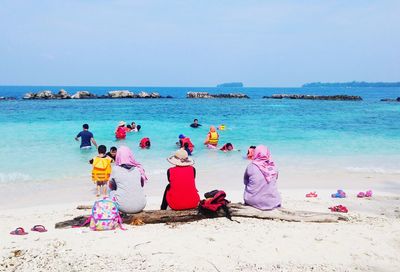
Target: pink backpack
(105, 216)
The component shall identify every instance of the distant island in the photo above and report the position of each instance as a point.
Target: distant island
(352, 84)
(230, 84)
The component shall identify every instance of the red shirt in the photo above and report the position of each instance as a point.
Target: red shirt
(182, 194)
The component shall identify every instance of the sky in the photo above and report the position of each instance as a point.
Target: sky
(198, 43)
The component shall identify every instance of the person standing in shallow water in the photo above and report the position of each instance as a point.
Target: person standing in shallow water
(260, 178)
(87, 138)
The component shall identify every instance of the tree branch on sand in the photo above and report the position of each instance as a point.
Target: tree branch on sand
(237, 210)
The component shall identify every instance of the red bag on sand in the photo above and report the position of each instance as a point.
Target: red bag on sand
(214, 201)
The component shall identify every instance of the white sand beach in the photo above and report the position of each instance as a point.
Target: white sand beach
(369, 241)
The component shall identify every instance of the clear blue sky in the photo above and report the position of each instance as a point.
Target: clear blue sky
(197, 43)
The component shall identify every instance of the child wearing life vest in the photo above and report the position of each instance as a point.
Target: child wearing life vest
(186, 144)
(212, 138)
(101, 170)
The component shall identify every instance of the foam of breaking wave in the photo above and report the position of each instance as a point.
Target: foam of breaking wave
(375, 170)
(14, 177)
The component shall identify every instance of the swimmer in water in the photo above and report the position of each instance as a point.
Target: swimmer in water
(227, 147)
(195, 124)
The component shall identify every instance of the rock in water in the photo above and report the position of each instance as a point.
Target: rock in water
(45, 95)
(83, 95)
(198, 95)
(208, 95)
(63, 94)
(121, 94)
(391, 99)
(315, 97)
(29, 96)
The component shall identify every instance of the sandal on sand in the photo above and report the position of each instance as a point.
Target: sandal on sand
(39, 228)
(361, 195)
(368, 193)
(312, 194)
(339, 208)
(339, 194)
(18, 231)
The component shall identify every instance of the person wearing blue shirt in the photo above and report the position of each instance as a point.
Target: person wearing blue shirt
(86, 138)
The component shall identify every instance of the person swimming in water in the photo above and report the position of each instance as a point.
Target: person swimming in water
(145, 143)
(195, 124)
(227, 147)
(212, 138)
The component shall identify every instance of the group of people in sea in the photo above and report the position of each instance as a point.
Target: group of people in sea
(122, 129)
(117, 174)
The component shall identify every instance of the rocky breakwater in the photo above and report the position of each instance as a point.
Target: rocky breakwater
(46, 94)
(62, 94)
(391, 99)
(340, 97)
(129, 94)
(208, 95)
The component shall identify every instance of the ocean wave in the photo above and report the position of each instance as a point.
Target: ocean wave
(375, 170)
(14, 177)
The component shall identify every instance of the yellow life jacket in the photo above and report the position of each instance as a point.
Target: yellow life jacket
(101, 169)
(213, 139)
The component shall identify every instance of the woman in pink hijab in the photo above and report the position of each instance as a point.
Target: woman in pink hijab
(260, 178)
(127, 181)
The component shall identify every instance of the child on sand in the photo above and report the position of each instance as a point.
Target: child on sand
(101, 170)
(112, 153)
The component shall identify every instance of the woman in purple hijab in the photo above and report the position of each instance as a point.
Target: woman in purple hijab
(260, 179)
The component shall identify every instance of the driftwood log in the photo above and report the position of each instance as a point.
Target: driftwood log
(237, 210)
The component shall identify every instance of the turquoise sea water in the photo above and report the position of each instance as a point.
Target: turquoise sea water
(37, 137)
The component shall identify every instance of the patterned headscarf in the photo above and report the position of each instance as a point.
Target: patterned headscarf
(262, 159)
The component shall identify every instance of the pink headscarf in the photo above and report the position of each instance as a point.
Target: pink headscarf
(262, 159)
(125, 156)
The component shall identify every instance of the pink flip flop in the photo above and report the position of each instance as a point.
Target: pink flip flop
(39, 228)
(312, 194)
(368, 193)
(18, 231)
(361, 195)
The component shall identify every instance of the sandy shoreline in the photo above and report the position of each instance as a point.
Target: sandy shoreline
(368, 242)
